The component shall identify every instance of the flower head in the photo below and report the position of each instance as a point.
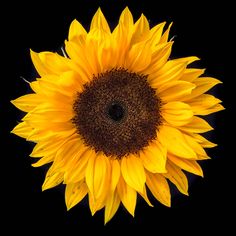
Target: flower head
(115, 116)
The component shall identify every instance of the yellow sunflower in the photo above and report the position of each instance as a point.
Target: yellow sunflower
(115, 116)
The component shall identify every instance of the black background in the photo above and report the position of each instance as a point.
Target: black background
(204, 29)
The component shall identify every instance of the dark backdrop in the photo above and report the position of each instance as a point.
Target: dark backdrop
(204, 29)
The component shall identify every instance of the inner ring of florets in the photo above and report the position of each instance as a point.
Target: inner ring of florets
(118, 113)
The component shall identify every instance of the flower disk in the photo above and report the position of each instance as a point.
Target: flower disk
(115, 115)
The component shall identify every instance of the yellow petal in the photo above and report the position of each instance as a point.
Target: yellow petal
(38, 64)
(195, 145)
(126, 19)
(46, 147)
(35, 86)
(115, 174)
(175, 142)
(145, 197)
(133, 172)
(188, 165)
(106, 56)
(120, 46)
(55, 130)
(81, 57)
(102, 175)
(196, 125)
(112, 205)
(71, 82)
(57, 96)
(95, 39)
(202, 141)
(216, 108)
(89, 176)
(54, 63)
(58, 129)
(27, 102)
(139, 57)
(38, 135)
(177, 113)
(49, 87)
(155, 34)
(128, 196)
(41, 113)
(23, 130)
(175, 90)
(77, 169)
(159, 58)
(203, 84)
(171, 71)
(52, 115)
(74, 193)
(66, 153)
(204, 100)
(84, 53)
(98, 176)
(159, 188)
(154, 158)
(100, 48)
(94, 204)
(191, 74)
(187, 60)
(99, 22)
(44, 160)
(76, 30)
(177, 177)
(49, 130)
(165, 36)
(205, 104)
(52, 179)
(121, 37)
(141, 30)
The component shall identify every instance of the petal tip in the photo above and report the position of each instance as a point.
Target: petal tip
(44, 188)
(68, 207)
(32, 53)
(126, 8)
(167, 203)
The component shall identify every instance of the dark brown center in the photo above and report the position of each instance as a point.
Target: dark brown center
(115, 111)
(118, 113)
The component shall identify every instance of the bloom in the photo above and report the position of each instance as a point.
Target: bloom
(115, 115)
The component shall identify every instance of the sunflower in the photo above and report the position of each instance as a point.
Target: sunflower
(115, 116)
